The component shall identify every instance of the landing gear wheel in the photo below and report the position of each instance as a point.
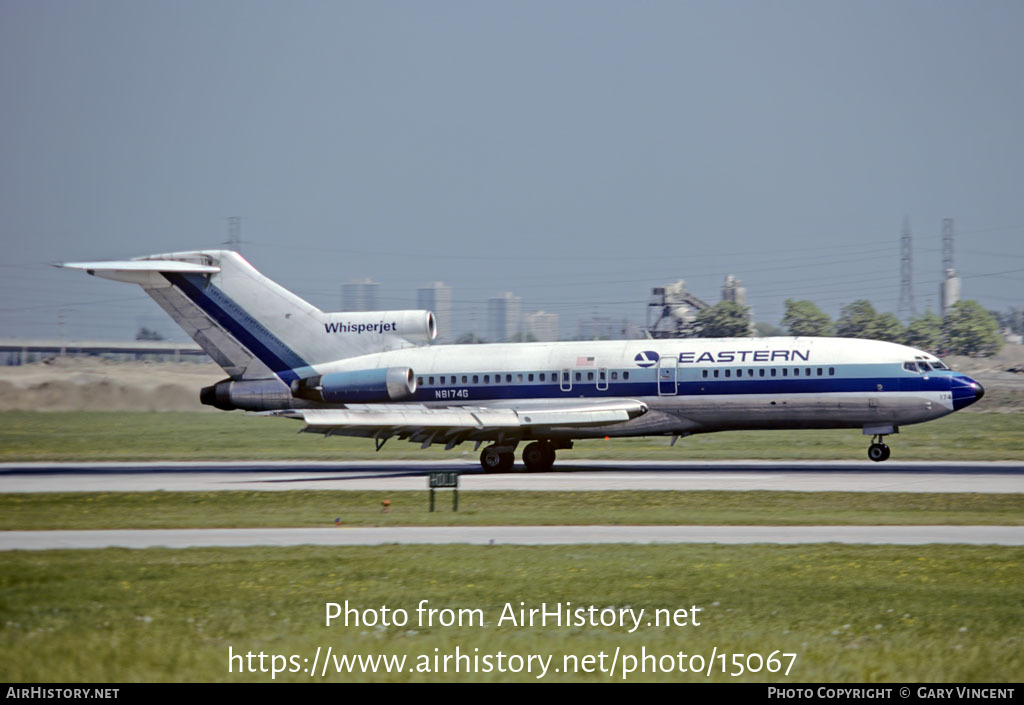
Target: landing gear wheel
(878, 452)
(493, 461)
(538, 456)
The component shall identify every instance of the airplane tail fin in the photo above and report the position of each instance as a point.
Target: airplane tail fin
(253, 327)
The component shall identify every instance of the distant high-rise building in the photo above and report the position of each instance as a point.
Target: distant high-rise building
(360, 295)
(544, 327)
(437, 297)
(503, 317)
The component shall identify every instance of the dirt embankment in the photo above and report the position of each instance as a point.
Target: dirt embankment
(94, 384)
(1005, 369)
(1002, 375)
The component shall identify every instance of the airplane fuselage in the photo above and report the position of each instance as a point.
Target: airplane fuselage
(693, 385)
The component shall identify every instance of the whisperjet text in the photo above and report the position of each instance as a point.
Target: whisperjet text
(747, 356)
(381, 327)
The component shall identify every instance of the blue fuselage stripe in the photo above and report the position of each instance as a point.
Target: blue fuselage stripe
(703, 387)
(242, 325)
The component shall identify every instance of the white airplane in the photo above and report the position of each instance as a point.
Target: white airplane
(374, 374)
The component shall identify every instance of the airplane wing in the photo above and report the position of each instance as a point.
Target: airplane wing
(454, 424)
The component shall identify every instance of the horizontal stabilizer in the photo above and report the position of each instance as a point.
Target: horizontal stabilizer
(175, 266)
(149, 273)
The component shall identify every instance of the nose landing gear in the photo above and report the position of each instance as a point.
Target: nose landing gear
(878, 451)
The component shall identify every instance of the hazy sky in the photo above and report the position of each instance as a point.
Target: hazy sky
(575, 153)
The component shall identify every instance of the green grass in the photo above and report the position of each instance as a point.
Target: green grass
(129, 436)
(164, 510)
(850, 613)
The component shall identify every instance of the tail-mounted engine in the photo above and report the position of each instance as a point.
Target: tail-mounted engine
(384, 328)
(358, 387)
(249, 394)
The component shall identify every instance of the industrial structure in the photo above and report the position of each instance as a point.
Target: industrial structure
(949, 289)
(907, 308)
(734, 291)
(675, 311)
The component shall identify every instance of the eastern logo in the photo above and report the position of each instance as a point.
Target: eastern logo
(648, 358)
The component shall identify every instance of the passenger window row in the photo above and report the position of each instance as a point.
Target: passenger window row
(769, 372)
(615, 375)
(518, 378)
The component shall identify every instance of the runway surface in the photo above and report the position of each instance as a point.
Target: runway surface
(583, 475)
(512, 535)
(580, 475)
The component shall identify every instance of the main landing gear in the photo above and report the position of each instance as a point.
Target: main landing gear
(878, 451)
(497, 459)
(538, 456)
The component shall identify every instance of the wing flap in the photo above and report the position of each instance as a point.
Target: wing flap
(432, 424)
(392, 416)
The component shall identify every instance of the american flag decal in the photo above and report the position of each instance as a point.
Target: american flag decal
(584, 361)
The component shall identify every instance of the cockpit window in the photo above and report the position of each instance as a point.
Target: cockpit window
(924, 366)
(910, 366)
(939, 365)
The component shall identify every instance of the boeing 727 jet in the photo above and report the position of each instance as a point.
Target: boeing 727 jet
(376, 375)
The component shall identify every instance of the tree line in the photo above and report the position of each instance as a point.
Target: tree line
(966, 329)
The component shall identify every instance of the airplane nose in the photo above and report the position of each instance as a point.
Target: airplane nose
(965, 391)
